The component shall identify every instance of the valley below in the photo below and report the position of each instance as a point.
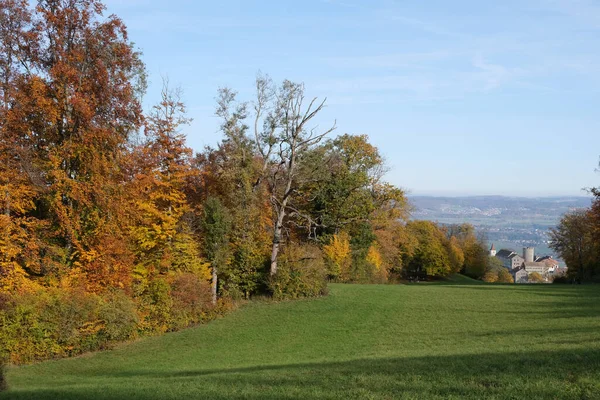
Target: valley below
(507, 222)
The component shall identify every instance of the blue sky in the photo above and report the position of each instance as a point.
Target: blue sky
(462, 97)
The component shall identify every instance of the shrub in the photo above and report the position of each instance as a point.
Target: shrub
(561, 279)
(3, 384)
(301, 273)
(504, 276)
(119, 316)
(490, 276)
(70, 319)
(191, 299)
(535, 277)
(50, 323)
(155, 304)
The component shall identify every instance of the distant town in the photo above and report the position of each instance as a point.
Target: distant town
(508, 222)
(528, 267)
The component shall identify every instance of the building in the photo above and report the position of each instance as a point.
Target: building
(510, 259)
(529, 254)
(550, 262)
(519, 274)
(539, 267)
(492, 251)
(521, 266)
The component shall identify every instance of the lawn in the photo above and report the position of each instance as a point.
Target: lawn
(452, 340)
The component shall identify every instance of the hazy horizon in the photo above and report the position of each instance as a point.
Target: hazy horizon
(458, 194)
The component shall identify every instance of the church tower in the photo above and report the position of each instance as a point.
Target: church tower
(493, 251)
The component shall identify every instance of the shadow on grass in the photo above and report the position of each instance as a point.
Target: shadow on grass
(532, 375)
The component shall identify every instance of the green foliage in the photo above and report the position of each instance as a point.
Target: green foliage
(216, 226)
(245, 272)
(301, 273)
(495, 264)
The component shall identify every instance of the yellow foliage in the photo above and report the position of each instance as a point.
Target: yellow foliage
(490, 277)
(338, 254)
(374, 257)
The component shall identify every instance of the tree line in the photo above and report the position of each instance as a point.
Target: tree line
(112, 227)
(576, 239)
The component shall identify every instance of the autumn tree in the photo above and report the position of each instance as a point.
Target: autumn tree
(573, 240)
(504, 276)
(163, 230)
(490, 276)
(430, 256)
(535, 277)
(338, 255)
(70, 80)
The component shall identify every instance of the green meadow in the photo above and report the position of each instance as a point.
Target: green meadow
(455, 339)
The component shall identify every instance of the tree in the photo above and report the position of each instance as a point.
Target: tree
(338, 255)
(232, 173)
(430, 255)
(455, 253)
(504, 276)
(292, 139)
(215, 226)
(70, 83)
(160, 201)
(573, 240)
(494, 263)
(476, 257)
(535, 277)
(490, 276)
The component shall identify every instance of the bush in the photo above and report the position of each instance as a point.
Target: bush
(50, 323)
(191, 298)
(504, 276)
(490, 277)
(561, 279)
(119, 316)
(53, 322)
(301, 273)
(535, 277)
(3, 384)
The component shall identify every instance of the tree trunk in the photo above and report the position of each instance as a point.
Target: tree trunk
(7, 203)
(214, 285)
(277, 238)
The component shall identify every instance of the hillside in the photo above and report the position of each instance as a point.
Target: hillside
(453, 340)
(511, 222)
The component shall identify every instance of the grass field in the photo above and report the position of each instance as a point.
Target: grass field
(452, 340)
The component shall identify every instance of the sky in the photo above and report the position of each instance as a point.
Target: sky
(462, 97)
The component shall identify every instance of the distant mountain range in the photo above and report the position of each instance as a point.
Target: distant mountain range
(509, 222)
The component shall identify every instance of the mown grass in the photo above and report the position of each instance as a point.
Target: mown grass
(452, 340)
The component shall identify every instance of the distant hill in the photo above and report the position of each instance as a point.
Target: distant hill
(511, 222)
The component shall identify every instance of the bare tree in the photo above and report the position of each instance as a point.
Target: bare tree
(281, 137)
(284, 140)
